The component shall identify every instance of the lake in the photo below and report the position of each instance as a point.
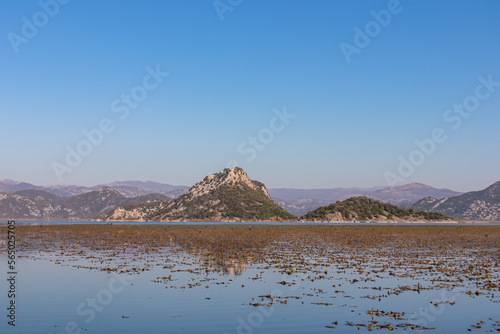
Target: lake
(252, 278)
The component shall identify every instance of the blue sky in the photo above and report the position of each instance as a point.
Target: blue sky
(228, 78)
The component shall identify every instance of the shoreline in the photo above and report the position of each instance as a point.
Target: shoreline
(267, 222)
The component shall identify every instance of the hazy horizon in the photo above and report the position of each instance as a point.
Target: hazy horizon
(301, 95)
(190, 185)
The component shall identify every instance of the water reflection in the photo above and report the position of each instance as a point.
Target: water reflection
(234, 267)
(230, 267)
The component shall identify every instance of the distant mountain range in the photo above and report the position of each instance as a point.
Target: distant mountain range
(295, 201)
(25, 200)
(474, 205)
(126, 188)
(40, 204)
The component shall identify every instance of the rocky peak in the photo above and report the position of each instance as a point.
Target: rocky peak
(233, 177)
(229, 194)
(105, 190)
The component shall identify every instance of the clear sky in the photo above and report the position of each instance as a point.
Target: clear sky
(360, 81)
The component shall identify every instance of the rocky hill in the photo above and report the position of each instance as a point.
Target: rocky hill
(474, 205)
(40, 204)
(227, 195)
(364, 209)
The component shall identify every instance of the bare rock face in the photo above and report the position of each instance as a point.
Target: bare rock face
(231, 177)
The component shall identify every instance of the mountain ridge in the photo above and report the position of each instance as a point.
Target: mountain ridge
(298, 201)
(474, 205)
(40, 204)
(128, 189)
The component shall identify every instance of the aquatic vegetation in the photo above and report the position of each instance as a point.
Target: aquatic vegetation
(325, 267)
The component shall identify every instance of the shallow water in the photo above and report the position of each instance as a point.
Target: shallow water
(45, 222)
(247, 279)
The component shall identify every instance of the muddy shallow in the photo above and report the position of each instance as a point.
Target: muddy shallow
(255, 279)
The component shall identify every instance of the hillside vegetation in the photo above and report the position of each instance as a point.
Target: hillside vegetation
(364, 208)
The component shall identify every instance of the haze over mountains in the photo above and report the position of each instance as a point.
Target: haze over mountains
(25, 200)
(301, 201)
(126, 188)
(295, 201)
